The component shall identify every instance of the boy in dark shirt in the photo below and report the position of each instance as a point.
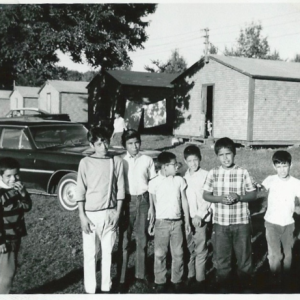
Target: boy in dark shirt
(14, 201)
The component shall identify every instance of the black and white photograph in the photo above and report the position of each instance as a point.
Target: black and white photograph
(150, 148)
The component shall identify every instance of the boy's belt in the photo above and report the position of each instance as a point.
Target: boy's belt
(171, 220)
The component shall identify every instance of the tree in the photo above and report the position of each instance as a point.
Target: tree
(30, 35)
(296, 58)
(250, 43)
(175, 64)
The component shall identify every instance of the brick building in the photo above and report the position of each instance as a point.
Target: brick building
(59, 96)
(24, 96)
(252, 101)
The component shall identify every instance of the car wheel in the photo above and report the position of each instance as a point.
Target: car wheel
(66, 192)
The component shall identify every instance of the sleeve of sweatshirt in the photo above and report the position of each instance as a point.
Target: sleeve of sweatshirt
(120, 178)
(81, 182)
(2, 231)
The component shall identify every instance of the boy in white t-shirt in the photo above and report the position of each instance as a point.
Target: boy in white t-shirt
(200, 214)
(283, 190)
(168, 199)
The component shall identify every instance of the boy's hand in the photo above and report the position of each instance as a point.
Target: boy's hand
(113, 219)
(151, 230)
(187, 226)
(197, 221)
(3, 248)
(226, 200)
(86, 224)
(151, 215)
(18, 186)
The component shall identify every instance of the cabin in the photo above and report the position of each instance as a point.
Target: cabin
(252, 101)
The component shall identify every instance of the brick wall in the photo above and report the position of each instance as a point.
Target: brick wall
(276, 110)
(76, 105)
(230, 102)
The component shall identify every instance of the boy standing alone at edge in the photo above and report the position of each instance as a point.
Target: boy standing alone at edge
(138, 170)
(200, 215)
(168, 200)
(230, 188)
(14, 201)
(100, 194)
(283, 190)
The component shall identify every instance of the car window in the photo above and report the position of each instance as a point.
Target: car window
(11, 138)
(50, 136)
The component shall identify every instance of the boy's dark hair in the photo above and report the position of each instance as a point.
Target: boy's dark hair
(192, 150)
(96, 133)
(282, 157)
(165, 158)
(8, 163)
(225, 143)
(130, 134)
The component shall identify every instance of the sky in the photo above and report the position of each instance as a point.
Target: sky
(180, 26)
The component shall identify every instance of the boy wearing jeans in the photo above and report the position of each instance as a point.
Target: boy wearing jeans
(200, 215)
(168, 199)
(230, 188)
(283, 190)
(138, 170)
(100, 191)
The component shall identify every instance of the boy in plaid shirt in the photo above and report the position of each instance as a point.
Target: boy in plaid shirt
(230, 188)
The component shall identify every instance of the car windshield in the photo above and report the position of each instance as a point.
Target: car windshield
(59, 135)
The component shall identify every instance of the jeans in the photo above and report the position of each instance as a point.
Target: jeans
(228, 240)
(278, 236)
(167, 233)
(107, 236)
(196, 243)
(134, 216)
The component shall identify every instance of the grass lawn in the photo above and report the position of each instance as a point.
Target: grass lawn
(51, 255)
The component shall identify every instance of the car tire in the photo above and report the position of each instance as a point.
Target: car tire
(66, 192)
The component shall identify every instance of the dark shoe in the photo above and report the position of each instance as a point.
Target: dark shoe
(178, 287)
(159, 288)
(200, 286)
(190, 281)
(122, 288)
(141, 281)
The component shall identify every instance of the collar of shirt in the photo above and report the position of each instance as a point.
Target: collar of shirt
(134, 157)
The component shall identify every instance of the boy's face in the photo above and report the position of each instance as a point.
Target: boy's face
(10, 177)
(193, 163)
(171, 168)
(283, 170)
(226, 158)
(100, 147)
(117, 115)
(133, 146)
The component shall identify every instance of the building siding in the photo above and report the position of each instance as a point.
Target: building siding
(4, 107)
(55, 103)
(76, 105)
(230, 103)
(31, 102)
(276, 111)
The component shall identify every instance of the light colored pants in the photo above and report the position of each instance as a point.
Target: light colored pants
(280, 236)
(103, 235)
(196, 243)
(168, 234)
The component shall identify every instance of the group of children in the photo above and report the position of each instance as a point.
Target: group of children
(125, 195)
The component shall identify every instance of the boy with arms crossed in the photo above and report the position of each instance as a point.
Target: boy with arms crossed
(100, 194)
(200, 215)
(14, 201)
(168, 199)
(230, 188)
(138, 170)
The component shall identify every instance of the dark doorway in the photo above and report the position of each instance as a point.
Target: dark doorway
(209, 110)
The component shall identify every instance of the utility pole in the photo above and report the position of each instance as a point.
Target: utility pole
(206, 42)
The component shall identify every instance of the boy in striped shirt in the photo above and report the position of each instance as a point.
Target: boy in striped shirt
(230, 188)
(14, 201)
